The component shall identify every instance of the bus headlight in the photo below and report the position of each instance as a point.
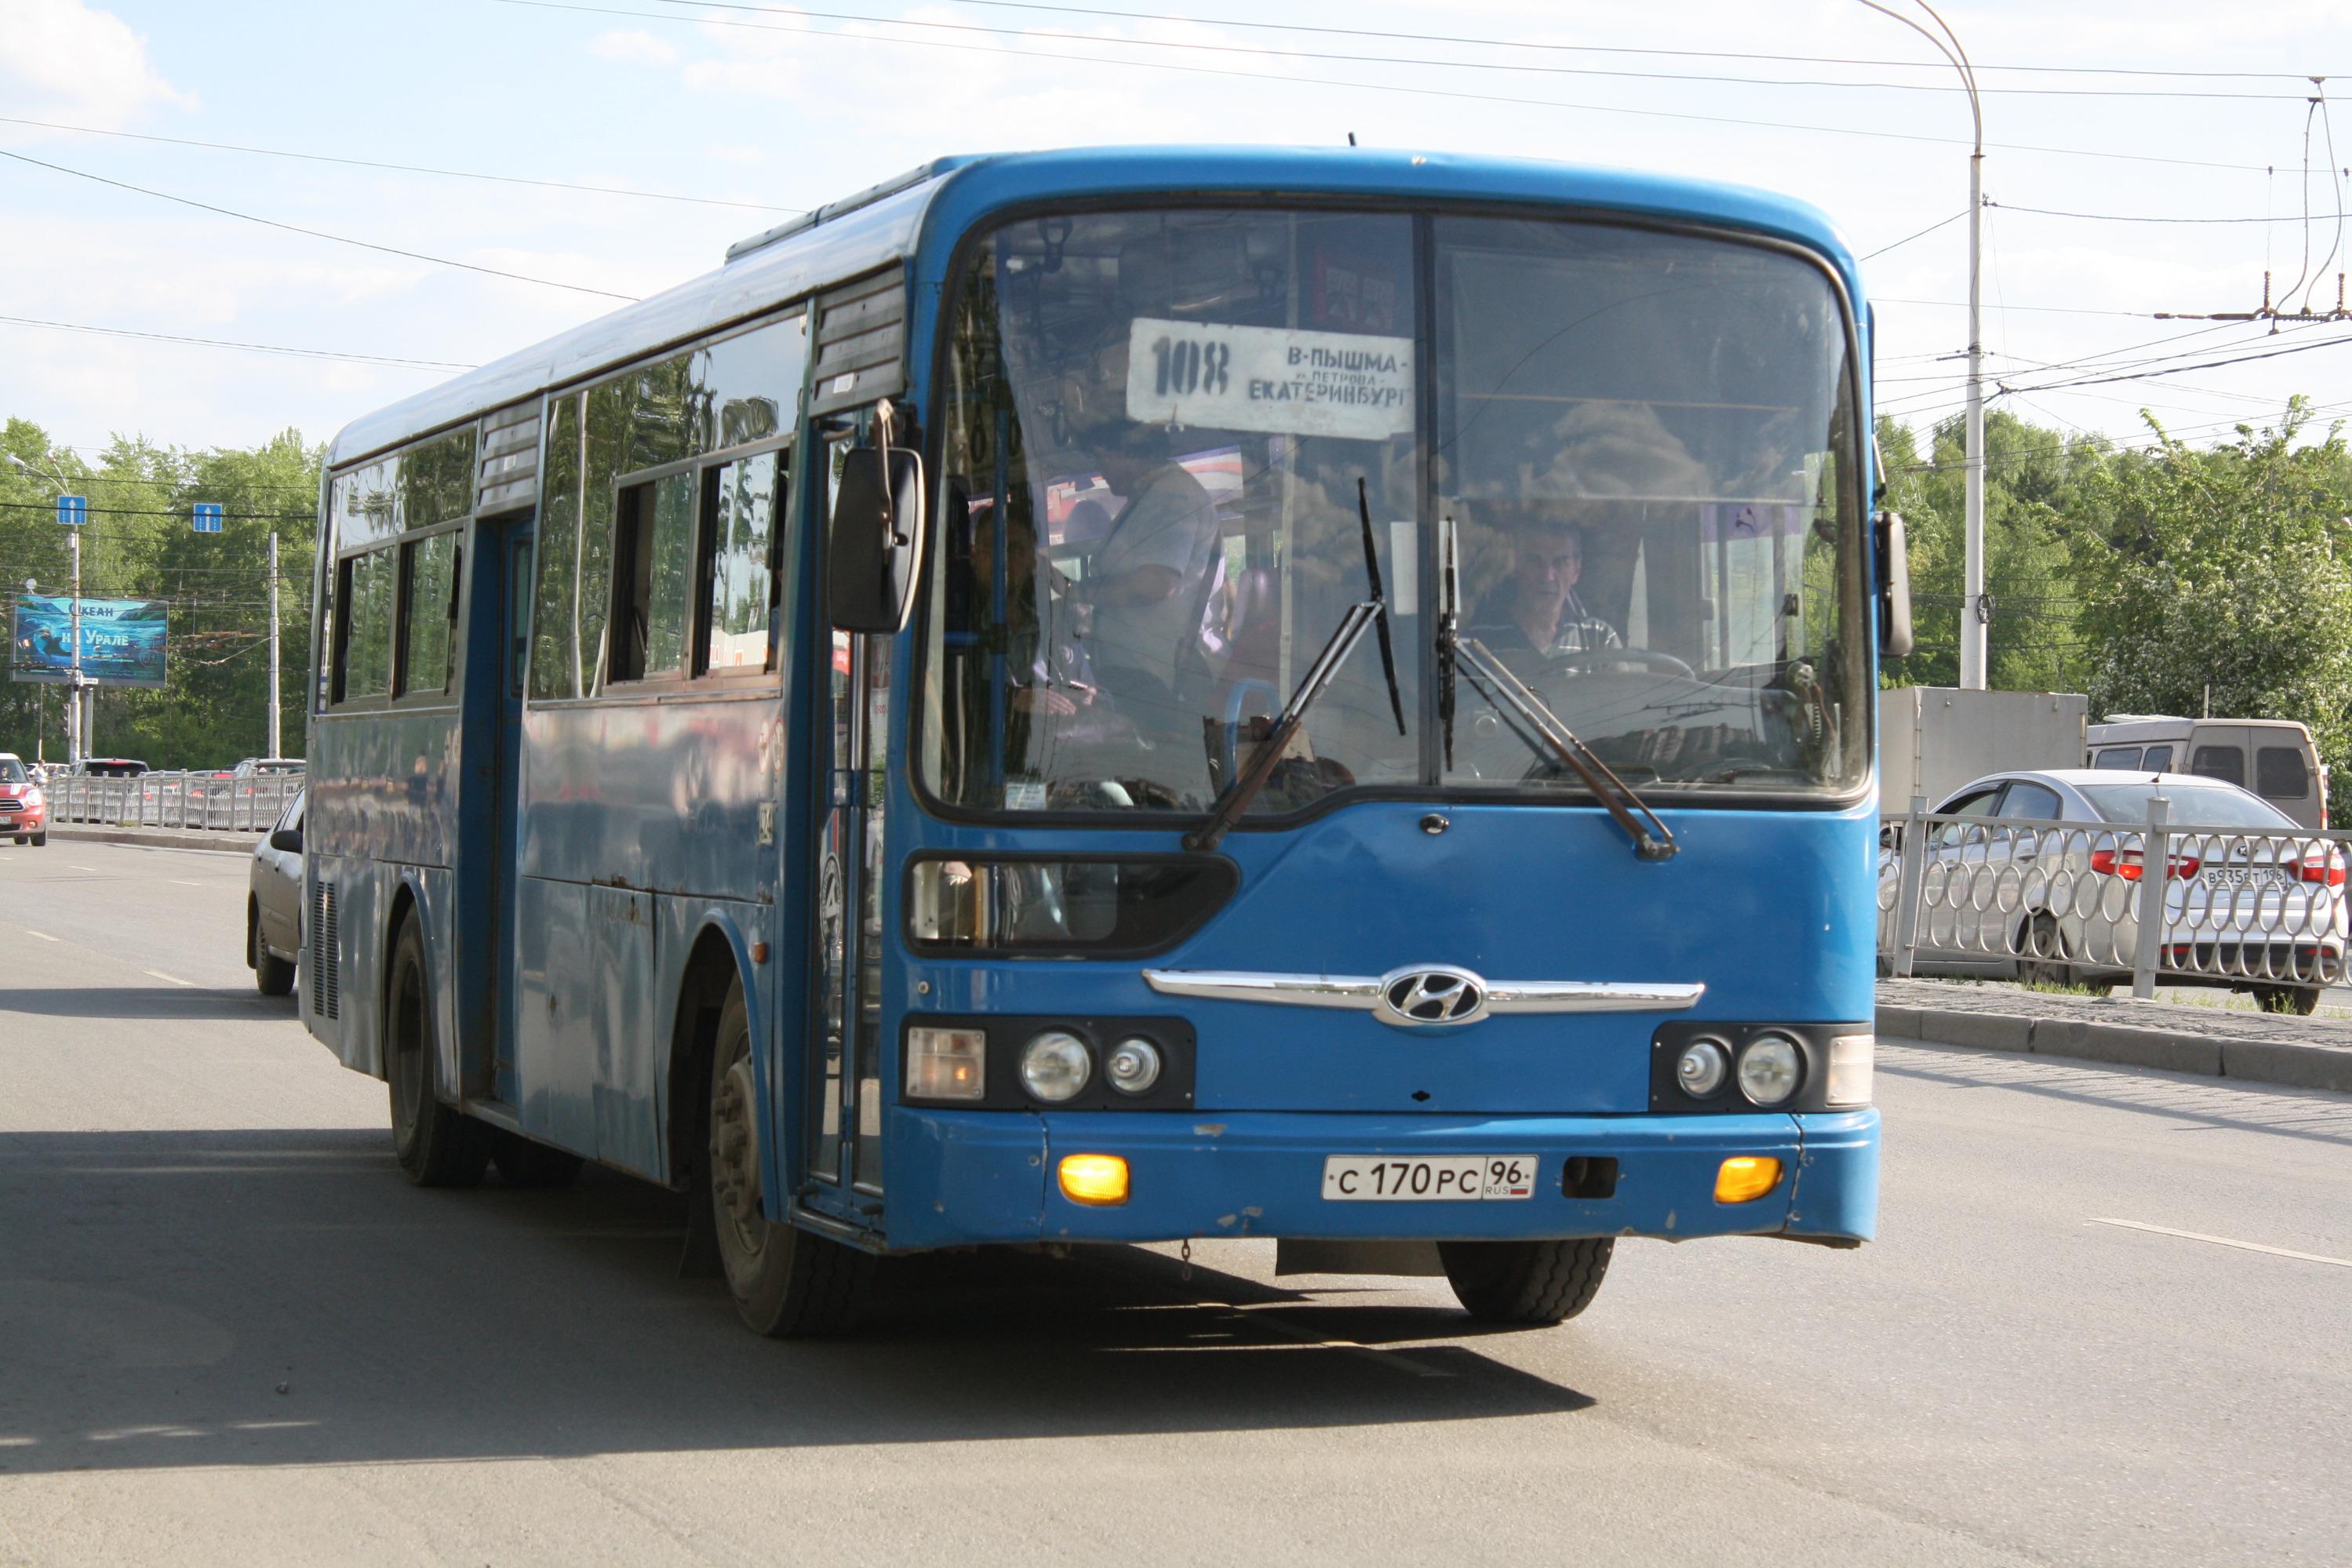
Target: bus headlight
(1133, 1066)
(1849, 1065)
(1769, 1069)
(1056, 1065)
(1702, 1068)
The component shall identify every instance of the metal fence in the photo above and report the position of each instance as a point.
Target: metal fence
(207, 801)
(2101, 903)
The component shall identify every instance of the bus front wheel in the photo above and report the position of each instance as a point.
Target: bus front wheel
(788, 1284)
(1529, 1284)
(437, 1144)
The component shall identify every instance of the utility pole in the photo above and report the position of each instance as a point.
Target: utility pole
(273, 749)
(78, 710)
(1976, 608)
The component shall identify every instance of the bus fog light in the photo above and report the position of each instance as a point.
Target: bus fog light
(1133, 1066)
(1744, 1178)
(1768, 1069)
(947, 1063)
(1056, 1065)
(1702, 1068)
(1096, 1180)
(1849, 1065)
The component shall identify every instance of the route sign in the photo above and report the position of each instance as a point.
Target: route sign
(208, 517)
(73, 511)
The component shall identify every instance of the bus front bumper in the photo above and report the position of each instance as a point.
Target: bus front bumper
(991, 1176)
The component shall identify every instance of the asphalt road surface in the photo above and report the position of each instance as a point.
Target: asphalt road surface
(2109, 1321)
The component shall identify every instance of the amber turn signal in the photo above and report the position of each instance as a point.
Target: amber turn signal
(1098, 1180)
(1746, 1177)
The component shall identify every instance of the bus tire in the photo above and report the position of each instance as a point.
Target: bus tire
(1530, 1284)
(788, 1284)
(525, 1162)
(437, 1144)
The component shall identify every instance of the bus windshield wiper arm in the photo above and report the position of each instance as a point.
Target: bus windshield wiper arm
(1653, 840)
(1236, 796)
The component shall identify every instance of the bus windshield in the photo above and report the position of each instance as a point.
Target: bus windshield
(1179, 444)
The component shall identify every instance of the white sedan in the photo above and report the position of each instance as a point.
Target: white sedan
(2039, 876)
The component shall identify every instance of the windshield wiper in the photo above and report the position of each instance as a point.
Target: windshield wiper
(1236, 796)
(1653, 840)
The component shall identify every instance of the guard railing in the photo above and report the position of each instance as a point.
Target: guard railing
(219, 803)
(2099, 904)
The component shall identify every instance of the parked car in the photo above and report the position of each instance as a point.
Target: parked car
(2250, 903)
(2285, 767)
(23, 806)
(109, 768)
(273, 906)
(260, 766)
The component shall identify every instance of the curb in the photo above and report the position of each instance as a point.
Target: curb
(2213, 1056)
(226, 842)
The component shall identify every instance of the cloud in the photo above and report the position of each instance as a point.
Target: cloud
(633, 44)
(71, 58)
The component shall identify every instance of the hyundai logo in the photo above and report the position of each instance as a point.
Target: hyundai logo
(1417, 998)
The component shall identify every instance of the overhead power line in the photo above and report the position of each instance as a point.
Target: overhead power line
(226, 343)
(317, 234)
(2147, 218)
(401, 168)
(1923, 233)
(1513, 67)
(1521, 43)
(1452, 94)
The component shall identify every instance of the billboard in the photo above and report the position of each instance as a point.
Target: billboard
(122, 640)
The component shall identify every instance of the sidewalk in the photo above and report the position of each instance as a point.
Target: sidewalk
(2262, 1048)
(222, 840)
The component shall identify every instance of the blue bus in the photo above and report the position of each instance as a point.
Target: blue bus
(1128, 696)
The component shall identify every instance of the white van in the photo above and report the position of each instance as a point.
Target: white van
(2273, 757)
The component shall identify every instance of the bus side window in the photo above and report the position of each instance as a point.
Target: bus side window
(654, 556)
(427, 612)
(742, 583)
(364, 588)
(2279, 773)
(2119, 756)
(2157, 760)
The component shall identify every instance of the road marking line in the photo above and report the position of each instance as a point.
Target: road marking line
(183, 882)
(42, 935)
(173, 978)
(2224, 1241)
(92, 869)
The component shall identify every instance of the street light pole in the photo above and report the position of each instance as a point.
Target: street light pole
(1976, 610)
(273, 749)
(75, 719)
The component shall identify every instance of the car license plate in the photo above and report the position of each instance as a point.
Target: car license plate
(1372, 1178)
(2245, 876)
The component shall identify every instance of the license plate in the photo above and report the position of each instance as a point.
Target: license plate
(1372, 1178)
(2245, 876)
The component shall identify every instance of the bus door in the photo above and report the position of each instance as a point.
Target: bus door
(497, 634)
(844, 1084)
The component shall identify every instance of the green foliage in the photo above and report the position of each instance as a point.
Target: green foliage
(2227, 570)
(138, 545)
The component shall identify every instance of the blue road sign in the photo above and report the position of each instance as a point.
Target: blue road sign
(73, 511)
(208, 517)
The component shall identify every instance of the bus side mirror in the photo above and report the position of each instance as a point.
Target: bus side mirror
(1894, 587)
(875, 550)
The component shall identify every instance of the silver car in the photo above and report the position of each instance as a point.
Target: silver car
(273, 908)
(2038, 876)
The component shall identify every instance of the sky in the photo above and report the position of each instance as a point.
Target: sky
(612, 147)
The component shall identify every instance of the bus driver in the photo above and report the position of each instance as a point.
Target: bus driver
(1535, 609)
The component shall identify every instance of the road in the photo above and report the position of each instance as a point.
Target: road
(229, 1332)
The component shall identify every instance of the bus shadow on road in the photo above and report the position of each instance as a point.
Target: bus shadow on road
(269, 1297)
(143, 1003)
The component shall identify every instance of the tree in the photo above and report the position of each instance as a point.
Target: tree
(138, 544)
(2226, 573)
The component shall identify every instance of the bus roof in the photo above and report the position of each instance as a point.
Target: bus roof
(888, 221)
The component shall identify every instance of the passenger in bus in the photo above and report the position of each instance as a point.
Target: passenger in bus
(1152, 581)
(1048, 666)
(1534, 612)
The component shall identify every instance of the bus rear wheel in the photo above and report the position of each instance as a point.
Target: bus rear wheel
(788, 1284)
(1529, 1283)
(437, 1144)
